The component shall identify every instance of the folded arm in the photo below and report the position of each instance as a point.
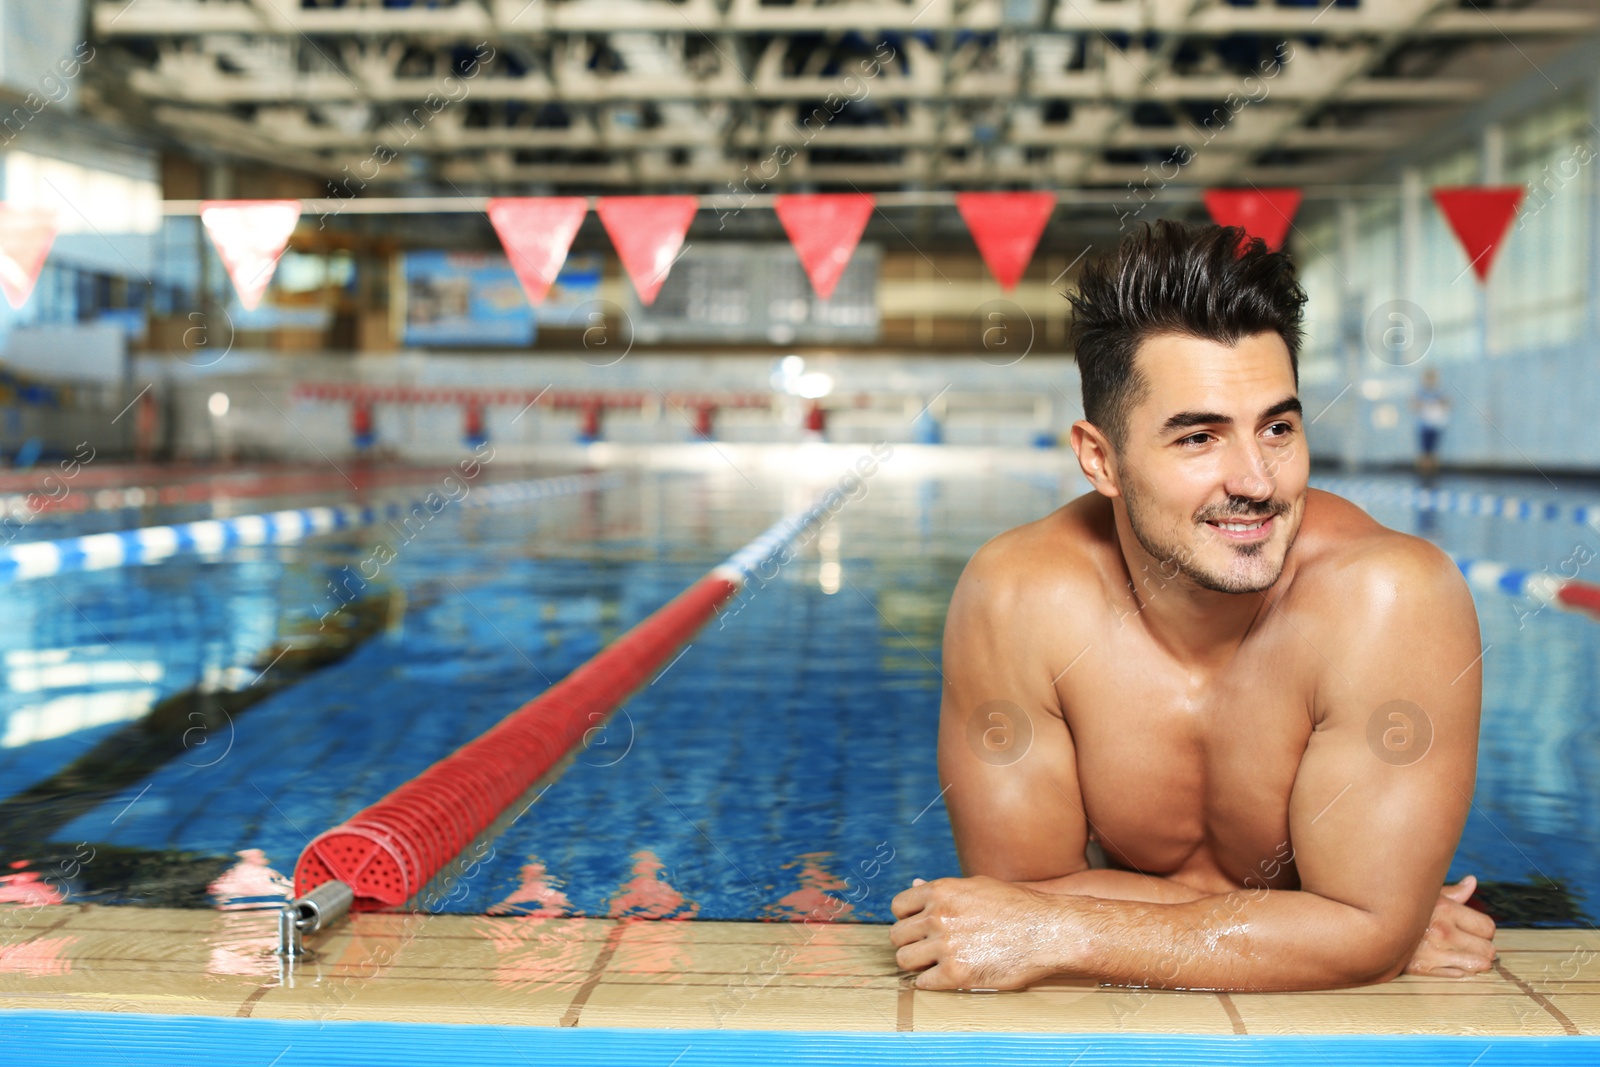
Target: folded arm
(1116, 885)
(1459, 941)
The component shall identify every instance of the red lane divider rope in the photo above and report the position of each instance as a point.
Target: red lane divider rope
(389, 851)
(1583, 596)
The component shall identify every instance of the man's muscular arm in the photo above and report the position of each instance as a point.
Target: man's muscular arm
(1006, 760)
(1005, 755)
(1459, 941)
(1374, 815)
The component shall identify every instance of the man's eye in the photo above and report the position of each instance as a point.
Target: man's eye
(1194, 439)
(1280, 429)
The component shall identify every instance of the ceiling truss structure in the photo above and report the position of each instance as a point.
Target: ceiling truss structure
(713, 95)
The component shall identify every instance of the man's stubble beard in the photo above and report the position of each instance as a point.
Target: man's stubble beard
(1172, 557)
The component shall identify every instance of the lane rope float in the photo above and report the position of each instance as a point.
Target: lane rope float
(1567, 593)
(53, 503)
(1461, 502)
(390, 850)
(153, 544)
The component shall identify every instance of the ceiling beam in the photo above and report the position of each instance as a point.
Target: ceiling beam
(503, 18)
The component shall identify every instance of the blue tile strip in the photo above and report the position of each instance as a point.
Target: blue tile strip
(123, 1040)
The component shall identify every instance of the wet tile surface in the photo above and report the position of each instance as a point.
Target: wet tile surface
(756, 976)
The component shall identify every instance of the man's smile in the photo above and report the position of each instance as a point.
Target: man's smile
(1243, 530)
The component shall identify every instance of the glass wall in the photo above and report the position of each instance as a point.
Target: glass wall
(1518, 356)
(1539, 287)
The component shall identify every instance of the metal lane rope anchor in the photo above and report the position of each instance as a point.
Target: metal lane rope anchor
(310, 914)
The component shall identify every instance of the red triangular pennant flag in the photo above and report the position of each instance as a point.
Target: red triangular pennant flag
(647, 232)
(1263, 213)
(26, 235)
(1006, 227)
(536, 232)
(250, 235)
(1480, 215)
(824, 228)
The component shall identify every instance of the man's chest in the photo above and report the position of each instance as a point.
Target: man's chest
(1179, 773)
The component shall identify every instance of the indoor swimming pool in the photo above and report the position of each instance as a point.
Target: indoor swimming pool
(178, 732)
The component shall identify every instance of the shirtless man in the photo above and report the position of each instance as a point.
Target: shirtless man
(1259, 705)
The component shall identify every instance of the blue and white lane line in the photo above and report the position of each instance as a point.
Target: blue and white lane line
(1482, 574)
(1373, 490)
(1489, 576)
(1492, 577)
(775, 540)
(1460, 502)
(1565, 593)
(152, 544)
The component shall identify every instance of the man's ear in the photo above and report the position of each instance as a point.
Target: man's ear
(1095, 457)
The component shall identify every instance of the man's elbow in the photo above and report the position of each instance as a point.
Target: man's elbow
(1381, 951)
(1356, 946)
(1392, 967)
(1355, 966)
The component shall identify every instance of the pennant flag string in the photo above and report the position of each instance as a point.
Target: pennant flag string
(26, 235)
(1006, 228)
(647, 231)
(537, 232)
(824, 229)
(1479, 217)
(250, 236)
(1263, 213)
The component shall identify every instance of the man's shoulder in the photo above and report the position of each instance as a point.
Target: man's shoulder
(1369, 571)
(1390, 617)
(1040, 563)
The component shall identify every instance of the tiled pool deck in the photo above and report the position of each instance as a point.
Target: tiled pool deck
(702, 975)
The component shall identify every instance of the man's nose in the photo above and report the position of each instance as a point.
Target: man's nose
(1249, 474)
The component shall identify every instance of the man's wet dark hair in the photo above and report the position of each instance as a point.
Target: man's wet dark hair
(1214, 283)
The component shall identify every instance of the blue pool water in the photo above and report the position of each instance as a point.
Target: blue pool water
(787, 754)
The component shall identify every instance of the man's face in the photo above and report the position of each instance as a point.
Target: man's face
(1214, 466)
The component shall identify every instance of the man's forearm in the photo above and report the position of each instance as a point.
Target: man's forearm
(1117, 885)
(1246, 941)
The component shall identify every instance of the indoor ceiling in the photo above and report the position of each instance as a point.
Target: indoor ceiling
(695, 95)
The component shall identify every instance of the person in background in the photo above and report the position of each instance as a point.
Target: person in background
(361, 433)
(816, 423)
(147, 423)
(1432, 406)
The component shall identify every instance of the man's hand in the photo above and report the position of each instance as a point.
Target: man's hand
(979, 933)
(1459, 941)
